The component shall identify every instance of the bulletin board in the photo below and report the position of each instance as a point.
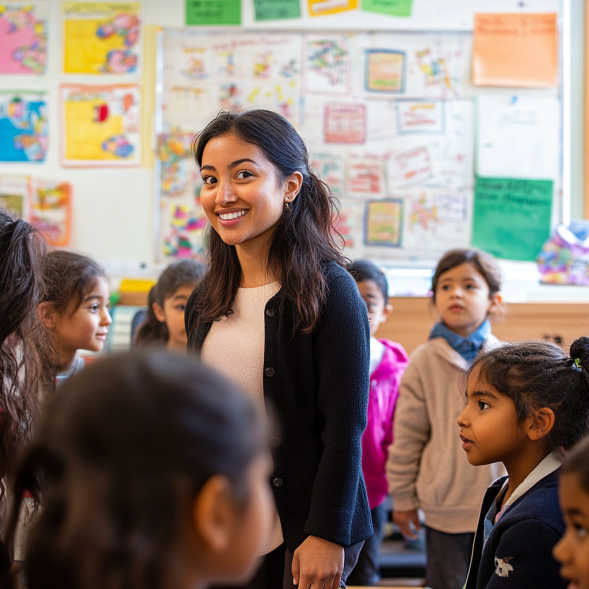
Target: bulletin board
(391, 123)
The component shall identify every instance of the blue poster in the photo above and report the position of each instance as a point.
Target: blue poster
(23, 126)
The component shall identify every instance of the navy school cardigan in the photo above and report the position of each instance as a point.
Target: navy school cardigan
(317, 386)
(518, 553)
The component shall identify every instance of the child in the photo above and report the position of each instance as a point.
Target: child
(426, 467)
(74, 310)
(573, 549)
(152, 472)
(527, 404)
(387, 364)
(22, 250)
(164, 323)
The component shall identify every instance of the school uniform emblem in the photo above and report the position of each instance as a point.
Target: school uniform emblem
(502, 566)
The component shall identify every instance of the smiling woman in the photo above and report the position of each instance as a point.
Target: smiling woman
(279, 316)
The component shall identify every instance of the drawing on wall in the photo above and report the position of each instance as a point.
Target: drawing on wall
(421, 116)
(23, 126)
(345, 123)
(101, 125)
(409, 168)
(330, 168)
(327, 64)
(349, 225)
(51, 210)
(365, 176)
(23, 38)
(383, 222)
(175, 155)
(101, 37)
(14, 195)
(385, 71)
(184, 236)
(323, 7)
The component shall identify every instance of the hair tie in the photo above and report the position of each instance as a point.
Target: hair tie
(577, 364)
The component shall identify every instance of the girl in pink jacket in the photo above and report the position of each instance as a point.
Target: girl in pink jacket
(387, 364)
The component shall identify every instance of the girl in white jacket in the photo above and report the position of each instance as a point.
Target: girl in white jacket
(427, 468)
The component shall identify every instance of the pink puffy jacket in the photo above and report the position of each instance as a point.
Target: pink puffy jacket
(384, 391)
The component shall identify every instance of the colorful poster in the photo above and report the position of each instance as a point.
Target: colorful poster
(23, 38)
(512, 217)
(184, 235)
(327, 64)
(383, 222)
(420, 116)
(388, 7)
(14, 195)
(323, 7)
(101, 37)
(345, 123)
(385, 71)
(515, 50)
(178, 170)
(23, 126)
(518, 137)
(330, 168)
(365, 176)
(348, 227)
(409, 168)
(213, 12)
(50, 210)
(436, 221)
(276, 9)
(101, 125)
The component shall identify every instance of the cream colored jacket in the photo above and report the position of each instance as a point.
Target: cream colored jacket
(427, 467)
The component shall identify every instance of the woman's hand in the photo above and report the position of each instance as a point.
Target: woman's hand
(317, 564)
(404, 519)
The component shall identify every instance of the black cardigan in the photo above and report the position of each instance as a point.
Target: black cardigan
(317, 385)
(518, 553)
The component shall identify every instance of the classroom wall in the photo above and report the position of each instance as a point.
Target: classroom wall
(113, 208)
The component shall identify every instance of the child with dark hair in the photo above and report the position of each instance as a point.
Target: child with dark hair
(152, 473)
(426, 467)
(572, 551)
(74, 311)
(388, 361)
(527, 405)
(164, 323)
(21, 255)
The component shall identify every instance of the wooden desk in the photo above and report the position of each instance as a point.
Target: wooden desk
(412, 320)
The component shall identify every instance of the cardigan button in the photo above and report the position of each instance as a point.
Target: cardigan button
(270, 312)
(270, 371)
(278, 483)
(274, 442)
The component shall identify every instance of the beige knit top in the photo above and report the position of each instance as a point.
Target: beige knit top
(235, 347)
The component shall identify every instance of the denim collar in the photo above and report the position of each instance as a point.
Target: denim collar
(468, 347)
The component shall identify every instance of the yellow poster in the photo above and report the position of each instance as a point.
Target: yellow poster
(101, 125)
(101, 37)
(321, 7)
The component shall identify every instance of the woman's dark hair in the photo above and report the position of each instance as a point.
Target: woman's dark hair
(68, 278)
(119, 456)
(577, 462)
(539, 374)
(362, 270)
(21, 253)
(485, 264)
(304, 238)
(176, 275)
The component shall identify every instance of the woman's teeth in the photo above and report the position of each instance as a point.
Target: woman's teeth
(229, 216)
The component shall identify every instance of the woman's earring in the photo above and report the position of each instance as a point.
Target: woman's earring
(287, 206)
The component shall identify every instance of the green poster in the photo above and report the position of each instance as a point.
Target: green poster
(213, 12)
(511, 217)
(277, 9)
(390, 7)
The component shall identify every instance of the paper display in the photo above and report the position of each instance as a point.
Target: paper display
(330, 168)
(349, 225)
(323, 7)
(101, 37)
(276, 9)
(345, 123)
(421, 116)
(388, 7)
(23, 38)
(365, 176)
(14, 194)
(385, 71)
(515, 50)
(518, 137)
(101, 125)
(23, 126)
(213, 12)
(51, 210)
(327, 64)
(383, 221)
(512, 217)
